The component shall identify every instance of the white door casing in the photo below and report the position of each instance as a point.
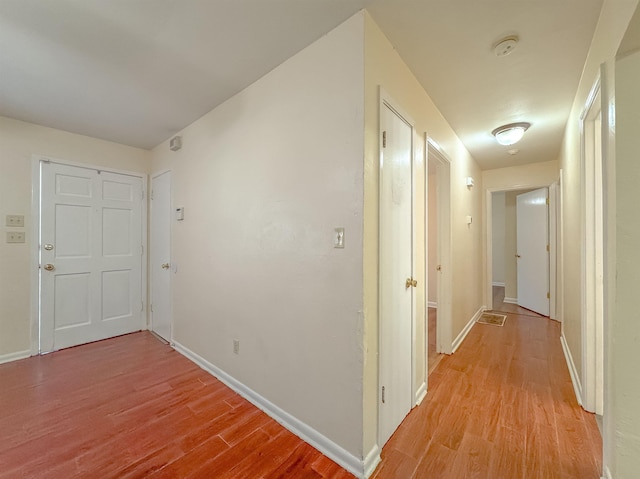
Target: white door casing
(532, 241)
(91, 255)
(160, 255)
(396, 261)
(592, 253)
(444, 340)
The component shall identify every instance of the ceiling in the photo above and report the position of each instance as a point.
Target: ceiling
(138, 71)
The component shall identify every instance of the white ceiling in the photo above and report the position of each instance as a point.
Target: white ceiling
(138, 71)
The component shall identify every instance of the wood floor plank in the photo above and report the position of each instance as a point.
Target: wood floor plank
(502, 407)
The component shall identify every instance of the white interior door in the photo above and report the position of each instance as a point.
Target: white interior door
(532, 240)
(90, 256)
(395, 271)
(161, 255)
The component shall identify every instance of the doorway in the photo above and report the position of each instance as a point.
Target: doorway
(396, 282)
(592, 253)
(439, 255)
(160, 267)
(90, 254)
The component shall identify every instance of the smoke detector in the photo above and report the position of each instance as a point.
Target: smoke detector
(505, 46)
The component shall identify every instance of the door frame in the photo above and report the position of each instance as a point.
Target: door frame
(36, 186)
(444, 295)
(418, 386)
(592, 251)
(554, 240)
(150, 291)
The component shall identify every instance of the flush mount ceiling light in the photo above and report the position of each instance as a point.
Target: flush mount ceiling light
(511, 133)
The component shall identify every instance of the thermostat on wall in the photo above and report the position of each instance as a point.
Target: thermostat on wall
(180, 213)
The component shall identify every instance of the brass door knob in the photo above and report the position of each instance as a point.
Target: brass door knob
(165, 265)
(49, 267)
(410, 282)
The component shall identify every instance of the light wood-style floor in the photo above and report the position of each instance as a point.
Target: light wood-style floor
(502, 407)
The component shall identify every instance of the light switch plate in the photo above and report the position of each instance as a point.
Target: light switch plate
(16, 221)
(15, 237)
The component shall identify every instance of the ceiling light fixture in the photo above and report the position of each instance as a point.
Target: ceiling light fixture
(511, 133)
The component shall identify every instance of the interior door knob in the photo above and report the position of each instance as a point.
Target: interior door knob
(517, 256)
(49, 267)
(165, 265)
(410, 282)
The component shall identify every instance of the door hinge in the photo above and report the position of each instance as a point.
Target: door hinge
(141, 250)
(548, 295)
(142, 194)
(151, 307)
(547, 247)
(547, 200)
(384, 139)
(382, 394)
(151, 194)
(141, 305)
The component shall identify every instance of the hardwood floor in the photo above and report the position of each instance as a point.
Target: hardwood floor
(131, 407)
(502, 407)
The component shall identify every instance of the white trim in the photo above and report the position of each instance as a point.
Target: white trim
(7, 358)
(421, 393)
(607, 473)
(573, 372)
(372, 460)
(432, 304)
(510, 300)
(498, 283)
(463, 334)
(305, 432)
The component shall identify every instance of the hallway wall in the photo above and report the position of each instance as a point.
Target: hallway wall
(613, 22)
(264, 179)
(384, 68)
(18, 142)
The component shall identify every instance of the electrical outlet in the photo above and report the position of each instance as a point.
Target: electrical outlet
(236, 346)
(17, 221)
(15, 237)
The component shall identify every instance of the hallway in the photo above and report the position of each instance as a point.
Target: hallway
(502, 407)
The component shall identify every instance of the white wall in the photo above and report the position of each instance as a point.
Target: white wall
(624, 392)
(264, 180)
(18, 142)
(498, 235)
(612, 24)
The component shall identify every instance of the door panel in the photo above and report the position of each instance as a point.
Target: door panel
(395, 268)
(532, 230)
(91, 235)
(161, 255)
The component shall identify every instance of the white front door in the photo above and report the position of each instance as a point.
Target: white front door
(532, 230)
(160, 255)
(395, 271)
(90, 255)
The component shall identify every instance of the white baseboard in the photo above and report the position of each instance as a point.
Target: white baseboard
(463, 334)
(305, 432)
(7, 358)
(421, 393)
(432, 304)
(510, 300)
(498, 283)
(573, 372)
(371, 461)
(607, 473)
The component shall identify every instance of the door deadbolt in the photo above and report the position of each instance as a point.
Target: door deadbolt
(48, 247)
